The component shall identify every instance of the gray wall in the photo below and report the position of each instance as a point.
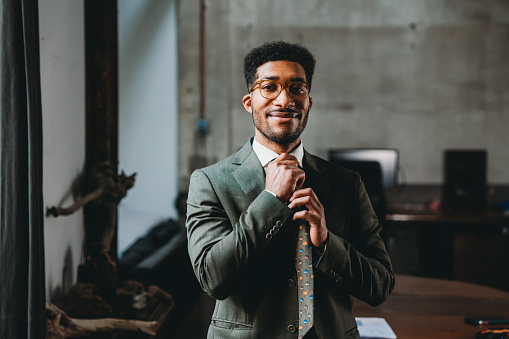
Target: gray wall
(63, 113)
(148, 114)
(420, 76)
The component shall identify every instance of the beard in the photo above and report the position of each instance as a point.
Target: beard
(283, 137)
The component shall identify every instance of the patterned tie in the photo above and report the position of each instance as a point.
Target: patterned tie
(304, 266)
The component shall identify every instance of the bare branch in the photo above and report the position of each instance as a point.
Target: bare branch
(60, 326)
(56, 211)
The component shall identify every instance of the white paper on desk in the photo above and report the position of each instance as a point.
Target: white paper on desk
(374, 328)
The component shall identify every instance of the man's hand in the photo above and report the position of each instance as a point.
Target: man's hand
(284, 176)
(313, 213)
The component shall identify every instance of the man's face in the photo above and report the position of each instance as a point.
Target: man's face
(280, 120)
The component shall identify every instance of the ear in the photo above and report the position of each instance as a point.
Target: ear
(248, 103)
(310, 103)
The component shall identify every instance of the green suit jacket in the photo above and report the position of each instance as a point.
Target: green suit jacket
(253, 275)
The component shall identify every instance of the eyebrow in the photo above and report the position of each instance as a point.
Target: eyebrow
(276, 77)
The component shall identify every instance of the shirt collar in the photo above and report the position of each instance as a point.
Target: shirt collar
(266, 155)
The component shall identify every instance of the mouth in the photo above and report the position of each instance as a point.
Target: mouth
(283, 116)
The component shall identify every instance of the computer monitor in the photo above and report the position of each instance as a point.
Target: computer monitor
(388, 158)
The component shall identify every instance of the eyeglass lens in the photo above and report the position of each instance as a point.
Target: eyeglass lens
(270, 89)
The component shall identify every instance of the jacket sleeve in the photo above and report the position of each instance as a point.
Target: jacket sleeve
(220, 251)
(359, 262)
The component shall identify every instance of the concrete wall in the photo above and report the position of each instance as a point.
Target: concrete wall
(419, 76)
(63, 110)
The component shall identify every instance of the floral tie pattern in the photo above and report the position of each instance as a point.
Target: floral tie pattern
(305, 276)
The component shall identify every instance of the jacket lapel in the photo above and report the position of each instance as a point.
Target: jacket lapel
(249, 174)
(315, 177)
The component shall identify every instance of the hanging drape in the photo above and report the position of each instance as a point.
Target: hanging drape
(21, 230)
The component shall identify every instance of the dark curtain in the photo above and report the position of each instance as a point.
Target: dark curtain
(21, 230)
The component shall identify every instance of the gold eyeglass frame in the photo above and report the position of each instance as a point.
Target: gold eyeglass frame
(259, 82)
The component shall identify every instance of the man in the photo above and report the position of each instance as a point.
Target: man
(244, 215)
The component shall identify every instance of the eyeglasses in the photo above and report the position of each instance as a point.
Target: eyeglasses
(270, 89)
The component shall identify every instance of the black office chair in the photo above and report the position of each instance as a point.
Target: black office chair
(371, 175)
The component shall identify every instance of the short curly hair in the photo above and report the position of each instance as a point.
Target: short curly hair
(276, 51)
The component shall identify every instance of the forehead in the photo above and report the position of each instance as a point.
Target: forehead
(281, 70)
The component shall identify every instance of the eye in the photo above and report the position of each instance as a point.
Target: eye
(269, 86)
(298, 88)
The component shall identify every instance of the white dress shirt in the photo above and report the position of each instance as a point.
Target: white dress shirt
(266, 155)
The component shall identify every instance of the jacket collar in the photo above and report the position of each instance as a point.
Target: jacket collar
(251, 177)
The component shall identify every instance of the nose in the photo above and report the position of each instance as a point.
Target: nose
(284, 99)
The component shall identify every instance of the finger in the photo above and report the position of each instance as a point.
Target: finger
(285, 164)
(310, 201)
(297, 173)
(303, 193)
(300, 180)
(290, 164)
(301, 201)
(307, 205)
(286, 156)
(300, 215)
(286, 159)
(312, 218)
(291, 171)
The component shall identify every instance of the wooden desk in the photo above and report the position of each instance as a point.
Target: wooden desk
(424, 308)
(471, 247)
(489, 217)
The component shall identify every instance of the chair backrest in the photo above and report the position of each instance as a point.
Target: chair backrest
(371, 175)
